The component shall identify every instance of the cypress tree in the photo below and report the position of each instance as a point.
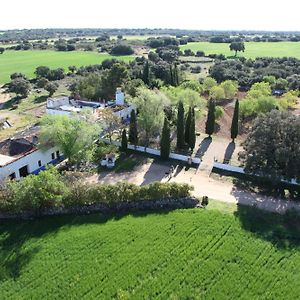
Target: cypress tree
(192, 135)
(176, 78)
(210, 122)
(133, 133)
(187, 127)
(180, 126)
(124, 143)
(146, 73)
(235, 121)
(171, 76)
(165, 140)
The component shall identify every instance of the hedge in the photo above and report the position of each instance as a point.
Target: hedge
(49, 190)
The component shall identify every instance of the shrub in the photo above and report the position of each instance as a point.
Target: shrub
(36, 192)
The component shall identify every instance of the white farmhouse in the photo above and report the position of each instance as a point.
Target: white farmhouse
(20, 157)
(69, 107)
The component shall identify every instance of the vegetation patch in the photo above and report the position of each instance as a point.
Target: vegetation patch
(184, 254)
(27, 61)
(252, 49)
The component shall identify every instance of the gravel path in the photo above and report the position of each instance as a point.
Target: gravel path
(204, 185)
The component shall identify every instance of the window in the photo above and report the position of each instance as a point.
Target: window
(12, 176)
(24, 171)
(57, 155)
(39, 163)
(52, 155)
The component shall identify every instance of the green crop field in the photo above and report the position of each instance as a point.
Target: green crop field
(184, 254)
(252, 49)
(26, 61)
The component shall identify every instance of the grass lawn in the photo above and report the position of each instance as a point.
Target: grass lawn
(184, 254)
(26, 61)
(252, 49)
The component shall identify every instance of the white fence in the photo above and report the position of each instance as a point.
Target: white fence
(180, 157)
(240, 170)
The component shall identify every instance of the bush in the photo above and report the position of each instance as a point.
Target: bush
(36, 192)
(122, 49)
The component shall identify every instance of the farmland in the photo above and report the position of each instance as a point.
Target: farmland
(184, 254)
(26, 61)
(253, 49)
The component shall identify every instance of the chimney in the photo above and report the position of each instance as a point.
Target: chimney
(120, 98)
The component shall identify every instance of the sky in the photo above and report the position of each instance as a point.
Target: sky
(190, 14)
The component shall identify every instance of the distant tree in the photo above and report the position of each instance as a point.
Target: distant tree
(120, 37)
(230, 88)
(56, 74)
(17, 75)
(209, 83)
(133, 131)
(72, 68)
(192, 134)
(187, 126)
(200, 53)
(180, 126)
(20, 86)
(210, 122)
(2, 50)
(121, 49)
(51, 87)
(113, 78)
(165, 140)
(42, 82)
(237, 46)
(235, 122)
(42, 71)
(124, 143)
(216, 93)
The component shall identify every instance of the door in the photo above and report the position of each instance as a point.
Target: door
(24, 171)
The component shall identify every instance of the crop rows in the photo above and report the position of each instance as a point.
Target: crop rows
(186, 254)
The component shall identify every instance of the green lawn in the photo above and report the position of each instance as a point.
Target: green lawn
(27, 61)
(252, 49)
(184, 254)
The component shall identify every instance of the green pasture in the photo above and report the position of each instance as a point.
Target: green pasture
(252, 49)
(184, 254)
(26, 61)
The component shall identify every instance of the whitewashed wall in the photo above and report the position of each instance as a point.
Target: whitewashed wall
(31, 160)
(180, 157)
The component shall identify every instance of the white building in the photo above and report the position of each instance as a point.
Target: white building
(66, 106)
(20, 157)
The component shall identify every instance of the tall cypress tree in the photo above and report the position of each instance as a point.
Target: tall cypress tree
(187, 126)
(180, 126)
(235, 121)
(192, 135)
(176, 77)
(165, 140)
(210, 122)
(133, 132)
(124, 142)
(171, 75)
(146, 73)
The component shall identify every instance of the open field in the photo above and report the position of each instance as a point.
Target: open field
(26, 61)
(252, 49)
(184, 254)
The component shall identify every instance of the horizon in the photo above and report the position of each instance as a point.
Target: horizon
(229, 16)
